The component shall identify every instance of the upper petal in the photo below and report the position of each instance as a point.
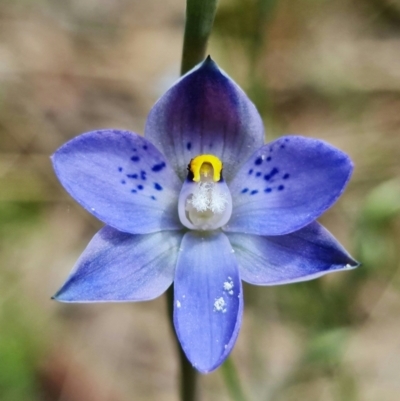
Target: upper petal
(205, 112)
(286, 185)
(122, 179)
(118, 266)
(302, 255)
(208, 299)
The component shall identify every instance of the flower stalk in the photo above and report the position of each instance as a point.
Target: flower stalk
(199, 21)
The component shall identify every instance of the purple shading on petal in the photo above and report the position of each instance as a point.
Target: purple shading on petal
(117, 266)
(208, 299)
(205, 112)
(302, 255)
(91, 166)
(318, 175)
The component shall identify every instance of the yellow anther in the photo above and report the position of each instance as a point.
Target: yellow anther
(206, 165)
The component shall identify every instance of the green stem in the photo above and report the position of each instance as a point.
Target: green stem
(189, 376)
(199, 21)
(232, 381)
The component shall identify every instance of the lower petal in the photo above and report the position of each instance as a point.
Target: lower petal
(117, 266)
(208, 301)
(303, 255)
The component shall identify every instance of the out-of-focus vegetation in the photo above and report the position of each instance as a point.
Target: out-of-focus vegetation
(329, 70)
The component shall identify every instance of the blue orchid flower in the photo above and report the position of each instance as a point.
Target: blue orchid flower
(201, 201)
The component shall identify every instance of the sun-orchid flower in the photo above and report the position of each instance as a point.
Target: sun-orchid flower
(201, 201)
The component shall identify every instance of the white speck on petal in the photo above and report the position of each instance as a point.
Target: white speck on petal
(93, 209)
(226, 346)
(348, 266)
(230, 292)
(220, 305)
(183, 296)
(262, 157)
(178, 304)
(228, 285)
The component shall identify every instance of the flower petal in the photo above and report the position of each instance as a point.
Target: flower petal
(303, 255)
(117, 266)
(208, 299)
(122, 179)
(205, 112)
(286, 185)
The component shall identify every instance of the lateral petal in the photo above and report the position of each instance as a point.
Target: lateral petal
(302, 255)
(118, 267)
(122, 179)
(286, 185)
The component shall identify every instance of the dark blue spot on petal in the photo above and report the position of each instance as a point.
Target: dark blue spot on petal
(153, 197)
(244, 190)
(123, 182)
(269, 158)
(258, 161)
(158, 167)
(132, 175)
(286, 176)
(253, 192)
(267, 177)
(267, 190)
(158, 187)
(282, 146)
(140, 187)
(251, 171)
(281, 188)
(286, 139)
(135, 158)
(144, 147)
(120, 169)
(258, 174)
(133, 191)
(274, 171)
(134, 149)
(189, 146)
(271, 149)
(143, 175)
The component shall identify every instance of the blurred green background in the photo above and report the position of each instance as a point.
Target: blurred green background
(325, 69)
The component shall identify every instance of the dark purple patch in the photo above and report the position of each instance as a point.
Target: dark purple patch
(189, 146)
(140, 187)
(258, 174)
(123, 182)
(286, 176)
(274, 171)
(269, 158)
(158, 187)
(251, 171)
(153, 197)
(268, 190)
(254, 191)
(143, 175)
(281, 188)
(135, 158)
(244, 190)
(119, 169)
(158, 167)
(132, 175)
(144, 147)
(258, 161)
(133, 191)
